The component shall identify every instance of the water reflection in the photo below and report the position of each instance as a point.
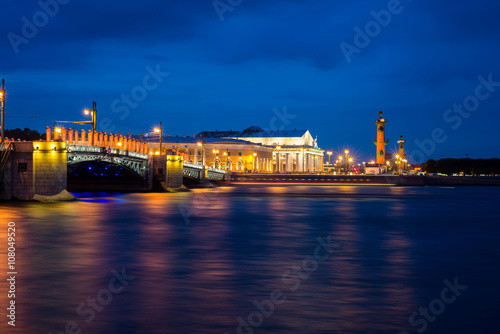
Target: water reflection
(200, 270)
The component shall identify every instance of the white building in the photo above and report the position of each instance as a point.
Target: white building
(294, 151)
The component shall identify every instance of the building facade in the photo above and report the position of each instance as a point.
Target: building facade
(293, 151)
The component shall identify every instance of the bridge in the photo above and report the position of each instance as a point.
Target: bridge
(46, 168)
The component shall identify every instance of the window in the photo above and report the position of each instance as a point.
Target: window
(22, 167)
(217, 164)
(229, 165)
(240, 165)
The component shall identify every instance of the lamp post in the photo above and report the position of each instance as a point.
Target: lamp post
(350, 162)
(93, 113)
(202, 153)
(329, 158)
(2, 100)
(278, 159)
(216, 153)
(160, 132)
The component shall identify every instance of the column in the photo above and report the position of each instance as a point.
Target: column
(48, 134)
(195, 156)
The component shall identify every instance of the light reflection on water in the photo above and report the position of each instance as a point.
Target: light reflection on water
(202, 258)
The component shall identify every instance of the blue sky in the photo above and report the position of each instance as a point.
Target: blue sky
(251, 62)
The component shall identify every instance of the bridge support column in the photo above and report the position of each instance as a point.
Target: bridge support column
(174, 176)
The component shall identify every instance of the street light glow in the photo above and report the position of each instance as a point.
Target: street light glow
(157, 130)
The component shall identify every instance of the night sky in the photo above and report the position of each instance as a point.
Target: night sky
(326, 66)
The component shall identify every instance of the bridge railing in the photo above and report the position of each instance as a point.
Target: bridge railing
(5, 149)
(190, 165)
(105, 150)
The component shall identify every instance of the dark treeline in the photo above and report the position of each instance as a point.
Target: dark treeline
(26, 134)
(466, 166)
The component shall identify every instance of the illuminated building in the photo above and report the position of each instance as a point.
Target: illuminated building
(294, 151)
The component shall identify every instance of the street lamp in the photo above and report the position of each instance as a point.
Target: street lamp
(160, 132)
(93, 113)
(329, 157)
(350, 162)
(278, 160)
(202, 153)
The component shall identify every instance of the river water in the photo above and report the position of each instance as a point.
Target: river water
(291, 259)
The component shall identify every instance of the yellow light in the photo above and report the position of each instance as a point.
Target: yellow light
(157, 153)
(58, 130)
(350, 159)
(151, 153)
(157, 130)
(397, 156)
(86, 111)
(255, 154)
(387, 163)
(372, 162)
(119, 144)
(199, 144)
(278, 147)
(225, 153)
(53, 147)
(346, 152)
(340, 158)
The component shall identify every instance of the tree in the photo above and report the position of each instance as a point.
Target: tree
(430, 166)
(26, 134)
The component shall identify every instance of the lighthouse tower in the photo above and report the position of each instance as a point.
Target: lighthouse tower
(401, 143)
(381, 141)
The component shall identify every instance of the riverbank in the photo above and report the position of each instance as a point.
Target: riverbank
(360, 180)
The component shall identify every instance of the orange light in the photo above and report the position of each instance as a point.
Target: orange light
(86, 111)
(157, 130)
(58, 130)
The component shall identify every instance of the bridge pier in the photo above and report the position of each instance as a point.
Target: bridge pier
(35, 168)
(167, 171)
